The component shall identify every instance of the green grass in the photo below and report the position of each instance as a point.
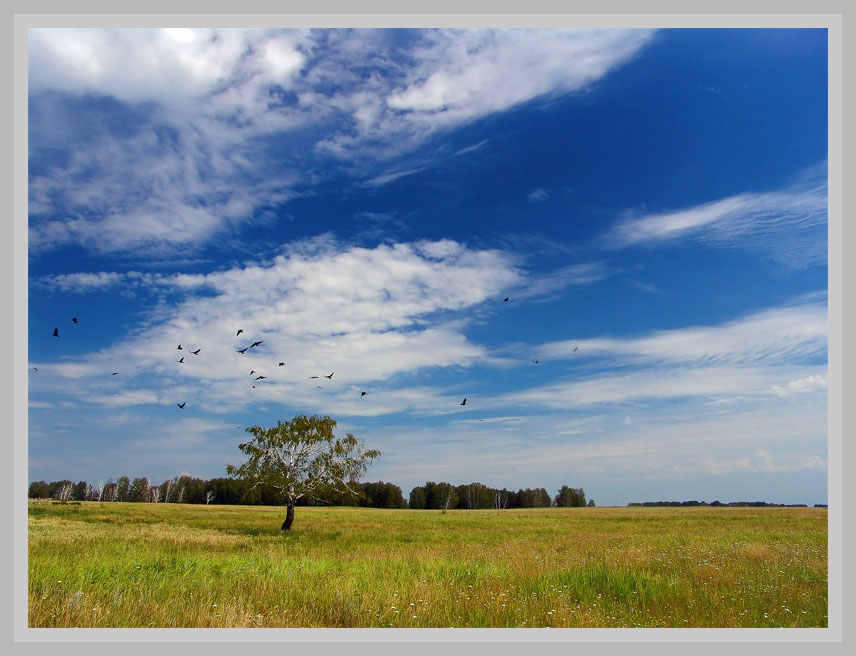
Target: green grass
(171, 565)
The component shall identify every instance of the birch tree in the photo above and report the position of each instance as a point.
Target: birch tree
(301, 459)
(167, 490)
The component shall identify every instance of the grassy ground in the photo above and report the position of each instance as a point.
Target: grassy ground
(171, 565)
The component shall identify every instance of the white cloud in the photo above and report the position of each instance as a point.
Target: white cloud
(364, 314)
(789, 225)
(538, 195)
(659, 384)
(771, 335)
(801, 386)
(186, 157)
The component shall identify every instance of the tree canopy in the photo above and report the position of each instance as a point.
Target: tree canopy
(302, 458)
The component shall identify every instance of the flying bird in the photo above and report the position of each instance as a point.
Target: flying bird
(536, 360)
(311, 377)
(196, 352)
(575, 349)
(182, 360)
(239, 332)
(35, 368)
(74, 320)
(179, 347)
(505, 300)
(252, 372)
(56, 332)
(256, 343)
(362, 394)
(464, 402)
(181, 405)
(115, 373)
(243, 350)
(282, 364)
(260, 377)
(254, 387)
(330, 377)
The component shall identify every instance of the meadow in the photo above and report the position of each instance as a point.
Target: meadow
(173, 565)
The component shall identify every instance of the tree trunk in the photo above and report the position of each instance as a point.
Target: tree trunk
(289, 518)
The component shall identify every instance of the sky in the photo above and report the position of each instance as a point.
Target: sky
(651, 203)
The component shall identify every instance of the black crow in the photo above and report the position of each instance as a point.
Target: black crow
(115, 373)
(575, 349)
(536, 361)
(74, 320)
(464, 402)
(505, 300)
(242, 351)
(252, 372)
(310, 377)
(181, 405)
(196, 352)
(260, 377)
(179, 347)
(239, 332)
(330, 377)
(362, 394)
(56, 332)
(256, 343)
(35, 368)
(181, 361)
(282, 364)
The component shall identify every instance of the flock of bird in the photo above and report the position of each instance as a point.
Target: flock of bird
(255, 344)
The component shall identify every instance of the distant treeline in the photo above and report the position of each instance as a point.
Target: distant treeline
(439, 496)
(188, 489)
(752, 504)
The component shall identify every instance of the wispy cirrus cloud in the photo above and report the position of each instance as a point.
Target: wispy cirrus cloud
(787, 333)
(159, 140)
(538, 195)
(789, 226)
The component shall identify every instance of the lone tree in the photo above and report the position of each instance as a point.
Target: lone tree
(302, 458)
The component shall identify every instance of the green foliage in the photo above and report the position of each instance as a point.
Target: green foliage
(571, 497)
(303, 459)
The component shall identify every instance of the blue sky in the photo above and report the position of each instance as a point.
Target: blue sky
(653, 203)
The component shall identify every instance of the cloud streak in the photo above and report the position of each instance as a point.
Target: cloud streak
(788, 225)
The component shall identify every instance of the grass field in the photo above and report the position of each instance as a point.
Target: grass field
(170, 565)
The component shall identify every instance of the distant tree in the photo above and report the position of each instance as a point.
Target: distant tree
(155, 494)
(139, 490)
(591, 503)
(64, 490)
(537, 498)
(209, 497)
(180, 498)
(476, 495)
(571, 497)
(123, 489)
(417, 498)
(302, 458)
(383, 495)
(166, 489)
(39, 490)
(440, 496)
(78, 491)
